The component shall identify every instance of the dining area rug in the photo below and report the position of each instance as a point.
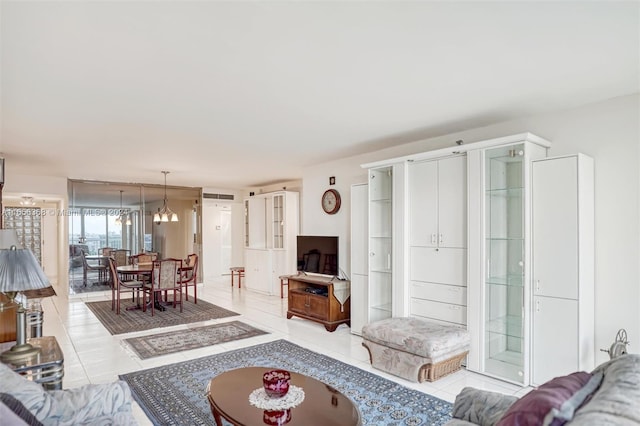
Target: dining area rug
(192, 338)
(175, 394)
(136, 320)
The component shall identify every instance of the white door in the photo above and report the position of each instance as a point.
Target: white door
(226, 240)
(555, 347)
(452, 202)
(423, 204)
(359, 258)
(258, 272)
(257, 222)
(555, 227)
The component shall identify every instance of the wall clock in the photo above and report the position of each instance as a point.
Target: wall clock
(331, 201)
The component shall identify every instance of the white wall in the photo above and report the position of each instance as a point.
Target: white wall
(607, 131)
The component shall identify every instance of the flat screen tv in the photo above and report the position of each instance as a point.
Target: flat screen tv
(318, 254)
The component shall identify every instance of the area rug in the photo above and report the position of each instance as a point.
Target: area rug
(176, 394)
(192, 338)
(136, 320)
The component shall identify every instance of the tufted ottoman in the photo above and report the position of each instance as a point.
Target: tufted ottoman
(415, 349)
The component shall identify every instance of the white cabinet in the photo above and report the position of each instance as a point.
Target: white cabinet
(438, 239)
(438, 203)
(359, 258)
(258, 270)
(499, 264)
(271, 228)
(563, 274)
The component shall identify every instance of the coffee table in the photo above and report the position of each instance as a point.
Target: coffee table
(323, 405)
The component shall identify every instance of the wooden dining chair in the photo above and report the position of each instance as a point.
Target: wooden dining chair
(189, 277)
(119, 286)
(121, 256)
(164, 278)
(143, 258)
(105, 251)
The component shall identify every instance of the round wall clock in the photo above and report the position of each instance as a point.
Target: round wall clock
(331, 201)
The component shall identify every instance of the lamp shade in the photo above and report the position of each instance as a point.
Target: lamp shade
(8, 238)
(20, 271)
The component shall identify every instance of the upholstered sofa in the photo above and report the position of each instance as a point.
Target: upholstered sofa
(609, 395)
(23, 402)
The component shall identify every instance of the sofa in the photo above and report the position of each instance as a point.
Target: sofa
(609, 395)
(23, 402)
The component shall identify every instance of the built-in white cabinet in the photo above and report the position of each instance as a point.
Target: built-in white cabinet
(492, 236)
(438, 239)
(271, 228)
(563, 271)
(500, 257)
(359, 257)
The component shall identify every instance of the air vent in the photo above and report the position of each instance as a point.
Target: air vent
(218, 196)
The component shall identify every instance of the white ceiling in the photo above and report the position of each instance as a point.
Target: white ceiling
(236, 94)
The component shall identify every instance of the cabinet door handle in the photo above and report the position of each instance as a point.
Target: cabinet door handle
(440, 239)
(433, 238)
(537, 286)
(537, 306)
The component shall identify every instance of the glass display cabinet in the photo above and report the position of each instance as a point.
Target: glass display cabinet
(505, 253)
(380, 243)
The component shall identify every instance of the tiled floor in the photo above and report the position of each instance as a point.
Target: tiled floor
(92, 355)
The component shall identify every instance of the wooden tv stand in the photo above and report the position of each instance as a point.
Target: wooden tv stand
(316, 307)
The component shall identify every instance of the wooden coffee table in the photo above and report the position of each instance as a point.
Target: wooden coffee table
(323, 405)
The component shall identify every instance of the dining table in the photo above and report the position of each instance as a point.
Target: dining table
(146, 269)
(140, 270)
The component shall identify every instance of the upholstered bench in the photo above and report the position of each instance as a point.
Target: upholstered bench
(415, 349)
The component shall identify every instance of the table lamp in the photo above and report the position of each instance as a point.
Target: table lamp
(19, 272)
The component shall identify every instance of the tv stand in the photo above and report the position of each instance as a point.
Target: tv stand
(321, 308)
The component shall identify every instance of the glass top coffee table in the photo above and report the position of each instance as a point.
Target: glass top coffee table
(323, 405)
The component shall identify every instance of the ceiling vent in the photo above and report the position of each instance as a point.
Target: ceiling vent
(218, 196)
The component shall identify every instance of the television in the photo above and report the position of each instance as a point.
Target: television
(317, 254)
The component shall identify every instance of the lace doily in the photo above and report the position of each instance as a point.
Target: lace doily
(259, 398)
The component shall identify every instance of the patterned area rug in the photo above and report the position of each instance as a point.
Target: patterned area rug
(193, 338)
(136, 320)
(176, 394)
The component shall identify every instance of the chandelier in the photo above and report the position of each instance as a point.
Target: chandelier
(165, 214)
(121, 213)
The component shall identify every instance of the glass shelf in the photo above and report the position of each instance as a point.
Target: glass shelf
(381, 271)
(508, 325)
(505, 192)
(508, 280)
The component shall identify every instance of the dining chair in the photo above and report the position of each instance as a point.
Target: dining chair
(119, 286)
(105, 251)
(100, 268)
(164, 278)
(143, 258)
(121, 256)
(189, 277)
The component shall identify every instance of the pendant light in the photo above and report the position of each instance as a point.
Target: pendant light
(119, 218)
(121, 213)
(165, 214)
